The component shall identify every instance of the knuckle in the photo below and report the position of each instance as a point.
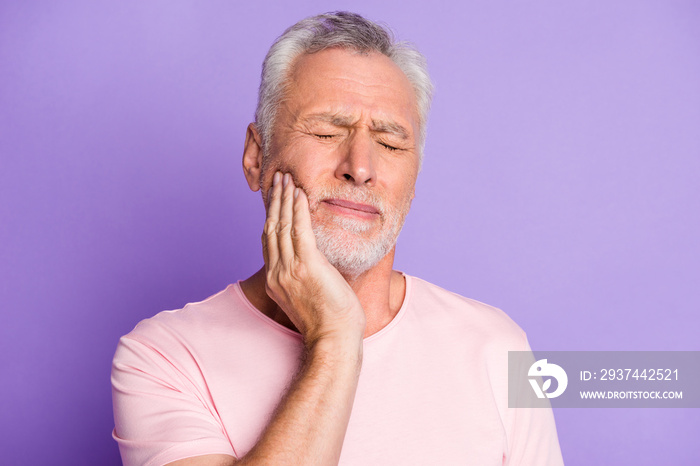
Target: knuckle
(299, 272)
(284, 280)
(283, 227)
(269, 278)
(296, 233)
(269, 228)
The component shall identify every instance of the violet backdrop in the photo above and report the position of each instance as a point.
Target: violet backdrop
(560, 184)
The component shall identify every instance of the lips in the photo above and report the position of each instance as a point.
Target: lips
(353, 206)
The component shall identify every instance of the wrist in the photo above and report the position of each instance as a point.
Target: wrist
(334, 349)
(339, 333)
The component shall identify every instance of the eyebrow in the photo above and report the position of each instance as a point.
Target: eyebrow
(396, 129)
(378, 126)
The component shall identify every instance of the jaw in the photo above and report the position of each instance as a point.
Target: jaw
(354, 248)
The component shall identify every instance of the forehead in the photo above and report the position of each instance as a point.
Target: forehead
(364, 86)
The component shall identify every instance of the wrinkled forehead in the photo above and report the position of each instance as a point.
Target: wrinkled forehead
(338, 85)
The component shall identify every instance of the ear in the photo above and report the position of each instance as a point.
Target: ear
(252, 157)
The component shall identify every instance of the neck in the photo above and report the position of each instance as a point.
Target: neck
(380, 290)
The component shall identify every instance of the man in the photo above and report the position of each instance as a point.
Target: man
(327, 355)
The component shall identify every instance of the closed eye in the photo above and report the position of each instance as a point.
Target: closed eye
(324, 136)
(387, 146)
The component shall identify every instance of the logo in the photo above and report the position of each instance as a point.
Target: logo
(542, 368)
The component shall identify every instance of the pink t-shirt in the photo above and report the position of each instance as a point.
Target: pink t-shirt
(433, 387)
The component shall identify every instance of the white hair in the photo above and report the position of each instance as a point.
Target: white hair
(338, 29)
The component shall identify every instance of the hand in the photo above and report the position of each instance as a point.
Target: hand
(313, 294)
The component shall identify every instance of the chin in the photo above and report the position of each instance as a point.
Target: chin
(349, 252)
(354, 246)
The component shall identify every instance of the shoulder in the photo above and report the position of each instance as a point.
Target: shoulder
(170, 346)
(191, 318)
(453, 313)
(161, 393)
(178, 334)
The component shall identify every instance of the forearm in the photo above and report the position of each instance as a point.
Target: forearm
(308, 426)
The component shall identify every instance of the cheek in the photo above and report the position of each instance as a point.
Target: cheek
(267, 171)
(404, 197)
(401, 180)
(302, 176)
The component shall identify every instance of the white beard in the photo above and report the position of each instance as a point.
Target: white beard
(349, 244)
(343, 243)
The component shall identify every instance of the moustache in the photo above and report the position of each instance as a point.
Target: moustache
(351, 194)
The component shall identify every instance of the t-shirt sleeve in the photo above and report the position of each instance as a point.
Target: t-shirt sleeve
(160, 414)
(532, 435)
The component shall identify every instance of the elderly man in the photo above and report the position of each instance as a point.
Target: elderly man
(327, 355)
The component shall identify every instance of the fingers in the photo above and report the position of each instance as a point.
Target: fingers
(288, 233)
(270, 246)
(303, 237)
(284, 226)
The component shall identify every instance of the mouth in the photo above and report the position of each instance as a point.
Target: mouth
(345, 207)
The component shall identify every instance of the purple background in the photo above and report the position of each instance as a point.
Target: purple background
(560, 184)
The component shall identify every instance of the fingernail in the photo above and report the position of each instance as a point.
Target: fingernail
(296, 192)
(285, 180)
(276, 178)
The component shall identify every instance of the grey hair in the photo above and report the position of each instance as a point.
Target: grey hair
(337, 29)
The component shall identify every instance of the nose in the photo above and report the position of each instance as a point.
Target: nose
(357, 164)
